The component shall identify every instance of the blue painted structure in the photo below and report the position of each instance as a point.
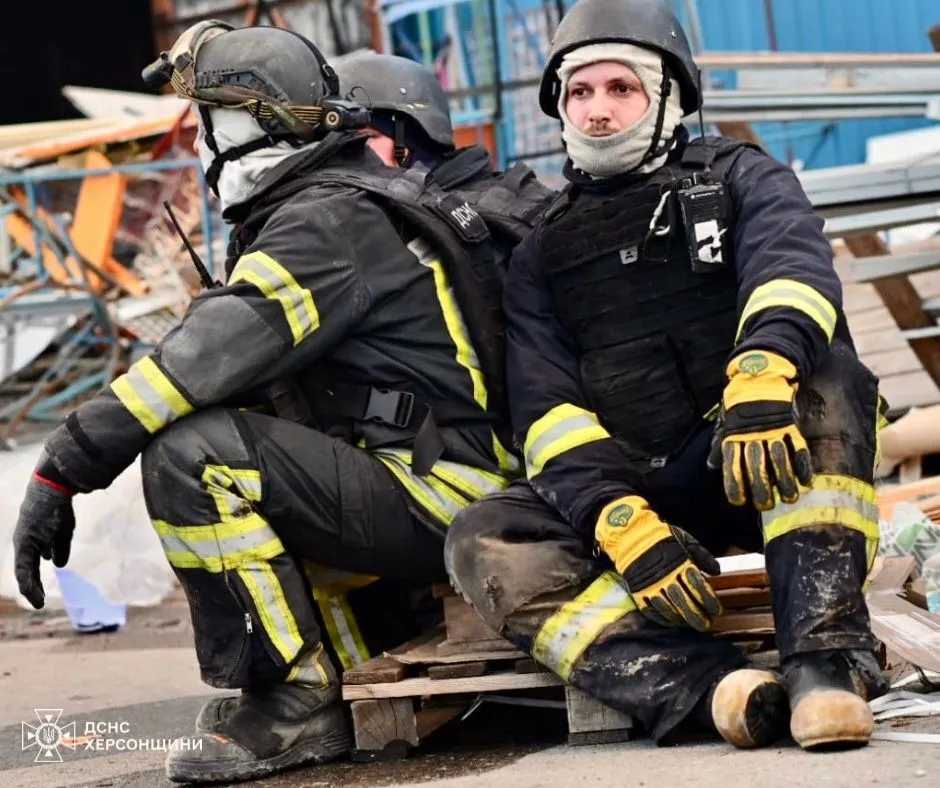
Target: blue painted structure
(727, 25)
(820, 26)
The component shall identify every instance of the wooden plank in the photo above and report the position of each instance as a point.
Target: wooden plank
(430, 653)
(378, 723)
(375, 671)
(736, 598)
(891, 575)
(457, 670)
(483, 647)
(494, 682)
(743, 624)
(463, 623)
(592, 722)
(902, 301)
(387, 729)
(751, 578)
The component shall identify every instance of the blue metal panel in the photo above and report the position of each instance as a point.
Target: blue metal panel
(820, 26)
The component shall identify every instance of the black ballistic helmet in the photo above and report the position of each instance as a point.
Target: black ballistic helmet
(645, 23)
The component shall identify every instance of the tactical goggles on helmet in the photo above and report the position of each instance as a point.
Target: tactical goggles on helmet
(248, 87)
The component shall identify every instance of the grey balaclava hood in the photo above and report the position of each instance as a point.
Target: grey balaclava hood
(604, 157)
(240, 178)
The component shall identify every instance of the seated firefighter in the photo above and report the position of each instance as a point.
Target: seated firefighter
(670, 276)
(346, 309)
(410, 127)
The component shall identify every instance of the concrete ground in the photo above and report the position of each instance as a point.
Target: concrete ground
(144, 680)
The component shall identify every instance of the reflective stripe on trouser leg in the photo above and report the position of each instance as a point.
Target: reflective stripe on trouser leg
(566, 634)
(243, 548)
(533, 580)
(342, 628)
(819, 551)
(329, 591)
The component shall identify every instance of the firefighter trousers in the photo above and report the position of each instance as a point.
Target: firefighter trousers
(540, 585)
(263, 521)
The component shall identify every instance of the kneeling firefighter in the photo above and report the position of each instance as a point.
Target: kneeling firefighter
(332, 407)
(411, 128)
(682, 378)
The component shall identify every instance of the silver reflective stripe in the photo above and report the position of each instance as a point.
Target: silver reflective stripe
(818, 499)
(271, 605)
(576, 422)
(292, 298)
(329, 604)
(777, 294)
(219, 546)
(160, 408)
(567, 633)
(441, 506)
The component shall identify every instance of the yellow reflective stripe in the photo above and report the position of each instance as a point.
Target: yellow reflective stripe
(150, 396)
(832, 500)
(335, 581)
(457, 330)
(217, 547)
(308, 669)
(276, 282)
(268, 595)
(563, 428)
(341, 625)
(219, 479)
(435, 497)
(568, 632)
(796, 295)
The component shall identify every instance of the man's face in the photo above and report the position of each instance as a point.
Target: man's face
(604, 98)
(381, 145)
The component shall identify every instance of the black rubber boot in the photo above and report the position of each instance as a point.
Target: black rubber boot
(748, 707)
(265, 731)
(828, 702)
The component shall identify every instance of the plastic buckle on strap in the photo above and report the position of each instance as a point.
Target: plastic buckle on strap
(390, 407)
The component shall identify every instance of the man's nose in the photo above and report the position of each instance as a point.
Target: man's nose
(599, 110)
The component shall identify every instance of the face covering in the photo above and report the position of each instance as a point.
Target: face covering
(240, 178)
(625, 151)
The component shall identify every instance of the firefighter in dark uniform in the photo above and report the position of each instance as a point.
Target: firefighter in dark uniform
(682, 379)
(344, 315)
(411, 126)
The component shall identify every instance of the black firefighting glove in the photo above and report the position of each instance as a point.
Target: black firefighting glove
(660, 564)
(757, 443)
(43, 530)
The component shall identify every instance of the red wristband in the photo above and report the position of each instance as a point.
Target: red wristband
(54, 485)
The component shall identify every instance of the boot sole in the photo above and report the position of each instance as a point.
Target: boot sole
(750, 709)
(832, 720)
(324, 749)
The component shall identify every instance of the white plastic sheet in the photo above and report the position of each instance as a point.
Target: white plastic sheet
(114, 548)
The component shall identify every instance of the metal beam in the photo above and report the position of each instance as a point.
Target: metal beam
(871, 269)
(873, 221)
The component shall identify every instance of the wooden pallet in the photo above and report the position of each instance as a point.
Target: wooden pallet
(403, 696)
(400, 698)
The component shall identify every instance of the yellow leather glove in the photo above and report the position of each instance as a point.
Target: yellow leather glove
(757, 442)
(659, 564)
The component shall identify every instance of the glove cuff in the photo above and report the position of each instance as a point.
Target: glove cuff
(627, 528)
(46, 473)
(761, 364)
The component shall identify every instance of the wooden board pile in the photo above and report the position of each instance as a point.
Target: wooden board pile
(401, 697)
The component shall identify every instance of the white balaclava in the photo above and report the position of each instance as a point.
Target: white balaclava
(240, 177)
(604, 157)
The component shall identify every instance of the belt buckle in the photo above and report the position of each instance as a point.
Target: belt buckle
(390, 407)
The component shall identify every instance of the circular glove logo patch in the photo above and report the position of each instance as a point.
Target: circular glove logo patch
(753, 364)
(620, 515)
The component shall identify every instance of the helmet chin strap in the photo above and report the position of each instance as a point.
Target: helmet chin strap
(214, 172)
(402, 156)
